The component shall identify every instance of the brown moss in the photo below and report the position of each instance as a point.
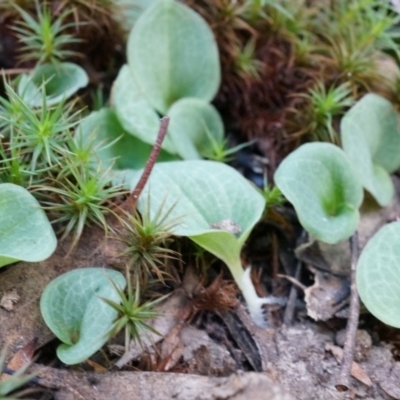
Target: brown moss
(256, 107)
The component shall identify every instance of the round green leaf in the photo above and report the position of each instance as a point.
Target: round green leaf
(134, 112)
(194, 126)
(378, 275)
(319, 181)
(207, 198)
(72, 308)
(214, 206)
(371, 139)
(111, 144)
(172, 54)
(25, 231)
(60, 82)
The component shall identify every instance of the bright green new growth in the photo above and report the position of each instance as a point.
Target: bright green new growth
(80, 196)
(246, 63)
(132, 314)
(325, 105)
(76, 191)
(319, 181)
(146, 237)
(25, 232)
(172, 54)
(72, 308)
(378, 275)
(59, 82)
(371, 139)
(215, 207)
(44, 40)
(37, 136)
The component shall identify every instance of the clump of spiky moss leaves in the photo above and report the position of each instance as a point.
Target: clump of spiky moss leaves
(221, 151)
(246, 63)
(97, 26)
(44, 38)
(39, 152)
(86, 31)
(132, 313)
(11, 109)
(10, 384)
(79, 196)
(323, 105)
(33, 139)
(273, 196)
(227, 21)
(259, 72)
(42, 132)
(146, 238)
(352, 33)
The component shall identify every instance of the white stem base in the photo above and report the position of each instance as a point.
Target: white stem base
(254, 302)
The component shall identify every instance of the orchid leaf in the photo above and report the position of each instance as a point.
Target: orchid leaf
(172, 54)
(59, 81)
(371, 139)
(319, 181)
(213, 205)
(25, 231)
(378, 275)
(72, 308)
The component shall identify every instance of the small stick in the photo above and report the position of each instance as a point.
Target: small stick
(130, 203)
(344, 380)
(291, 304)
(15, 71)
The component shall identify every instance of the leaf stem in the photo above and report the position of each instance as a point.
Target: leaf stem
(253, 301)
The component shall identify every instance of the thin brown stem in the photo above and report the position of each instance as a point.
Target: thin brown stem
(15, 71)
(344, 380)
(130, 203)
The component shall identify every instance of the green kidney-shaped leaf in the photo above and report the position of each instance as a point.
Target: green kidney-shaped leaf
(193, 128)
(378, 275)
(111, 144)
(60, 82)
(72, 308)
(213, 204)
(319, 181)
(134, 112)
(172, 54)
(371, 139)
(25, 231)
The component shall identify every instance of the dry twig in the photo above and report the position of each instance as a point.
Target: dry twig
(343, 383)
(15, 71)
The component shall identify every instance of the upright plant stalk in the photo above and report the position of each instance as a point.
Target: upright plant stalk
(344, 379)
(130, 204)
